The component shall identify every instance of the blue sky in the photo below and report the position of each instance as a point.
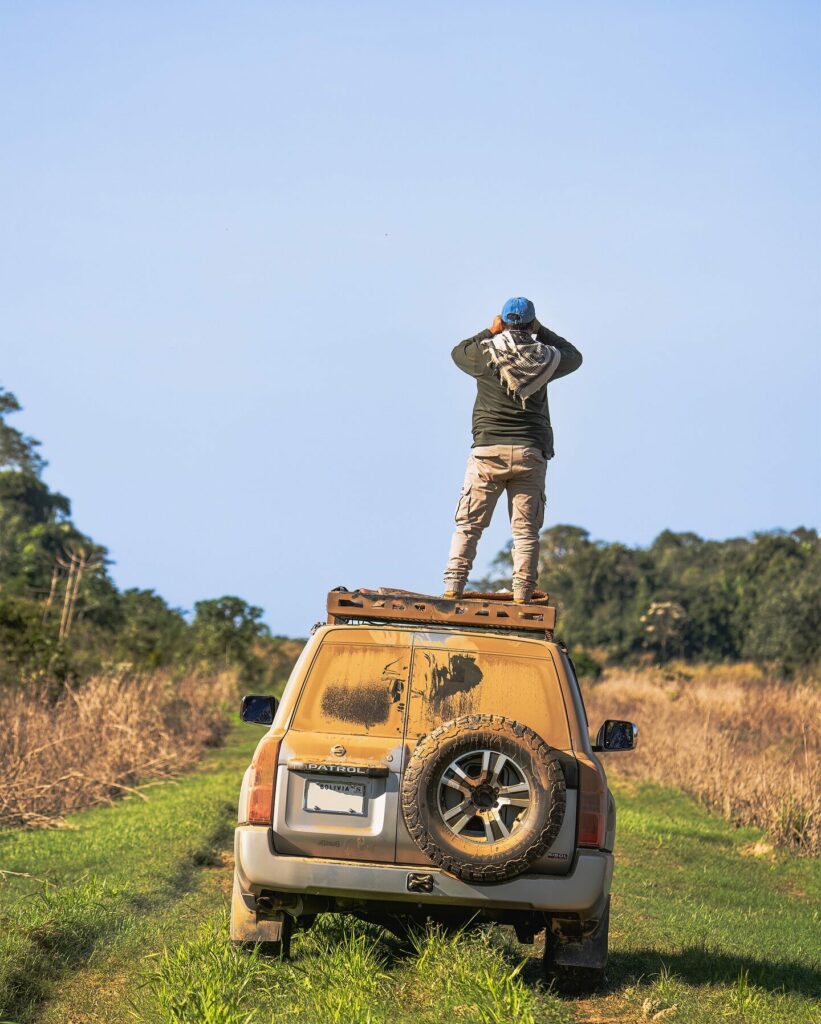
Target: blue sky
(240, 241)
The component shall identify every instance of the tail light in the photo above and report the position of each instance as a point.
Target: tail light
(263, 780)
(592, 807)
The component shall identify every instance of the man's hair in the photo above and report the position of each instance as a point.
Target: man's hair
(520, 327)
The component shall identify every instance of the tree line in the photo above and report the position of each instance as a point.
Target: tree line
(62, 617)
(756, 598)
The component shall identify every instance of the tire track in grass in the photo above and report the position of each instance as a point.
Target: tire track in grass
(111, 987)
(701, 932)
(109, 873)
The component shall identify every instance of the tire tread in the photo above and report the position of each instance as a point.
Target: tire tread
(430, 746)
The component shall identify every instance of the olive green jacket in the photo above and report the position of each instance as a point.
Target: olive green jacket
(499, 418)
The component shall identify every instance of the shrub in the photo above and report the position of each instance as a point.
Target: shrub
(745, 746)
(102, 739)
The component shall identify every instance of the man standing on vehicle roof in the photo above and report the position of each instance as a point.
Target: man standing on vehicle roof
(512, 438)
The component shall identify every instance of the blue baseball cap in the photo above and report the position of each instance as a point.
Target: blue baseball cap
(518, 311)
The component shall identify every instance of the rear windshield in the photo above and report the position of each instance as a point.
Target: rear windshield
(355, 688)
(447, 684)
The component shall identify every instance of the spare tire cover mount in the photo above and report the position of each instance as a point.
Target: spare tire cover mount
(484, 797)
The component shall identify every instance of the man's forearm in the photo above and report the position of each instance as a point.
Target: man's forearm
(571, 358)
(466, 355)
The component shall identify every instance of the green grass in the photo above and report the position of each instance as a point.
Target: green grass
(347, 972)
(132, 925)
(108, 885)
(701, 924)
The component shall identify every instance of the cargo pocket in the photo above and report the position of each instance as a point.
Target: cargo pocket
(540, 509)
(463, 506)
(534, 455)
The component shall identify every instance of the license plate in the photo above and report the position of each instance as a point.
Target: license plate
(335, 798)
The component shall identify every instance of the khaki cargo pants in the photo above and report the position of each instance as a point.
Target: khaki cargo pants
(492, 469)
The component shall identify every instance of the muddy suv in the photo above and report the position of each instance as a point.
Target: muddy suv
(430, 760)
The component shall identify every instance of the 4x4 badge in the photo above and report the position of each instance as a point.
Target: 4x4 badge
(339, 750)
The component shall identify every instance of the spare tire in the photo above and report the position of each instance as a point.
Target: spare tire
(484, 797)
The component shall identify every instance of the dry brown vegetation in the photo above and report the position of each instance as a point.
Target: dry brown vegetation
(104, 739)
(743, 745)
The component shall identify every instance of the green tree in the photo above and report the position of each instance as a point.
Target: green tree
(665, 623)
(226, 630)
(17, 451)
(26, 647)
(684, 596)
(52, 576)
(781, 578)
(150, 633)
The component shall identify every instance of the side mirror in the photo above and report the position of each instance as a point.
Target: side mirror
(616, 735)
(258, 710)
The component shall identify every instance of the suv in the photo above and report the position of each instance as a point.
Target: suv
(430, 760)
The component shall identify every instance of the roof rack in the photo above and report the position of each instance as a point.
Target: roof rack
(493, 611)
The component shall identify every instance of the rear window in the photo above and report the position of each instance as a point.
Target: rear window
(447, 684)
(355, 688)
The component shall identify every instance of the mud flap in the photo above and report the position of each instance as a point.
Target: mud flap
(584, 949)
(247, 925)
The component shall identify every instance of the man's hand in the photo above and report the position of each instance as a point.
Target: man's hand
(497, 326)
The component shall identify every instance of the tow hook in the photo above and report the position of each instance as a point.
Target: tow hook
(418, 882)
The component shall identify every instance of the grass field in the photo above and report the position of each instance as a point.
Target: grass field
(745, 745)
(125, 920)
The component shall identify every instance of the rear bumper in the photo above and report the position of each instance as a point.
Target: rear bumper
(583, 891)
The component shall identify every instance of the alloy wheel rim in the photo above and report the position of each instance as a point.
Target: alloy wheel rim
(483, 796)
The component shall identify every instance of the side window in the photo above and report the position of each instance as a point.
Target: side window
(355, 688)
(447, 684)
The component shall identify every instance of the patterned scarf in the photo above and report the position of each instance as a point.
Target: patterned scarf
(524, 365)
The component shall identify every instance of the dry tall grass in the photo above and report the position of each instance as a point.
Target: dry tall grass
(744, 746)
(103, 739)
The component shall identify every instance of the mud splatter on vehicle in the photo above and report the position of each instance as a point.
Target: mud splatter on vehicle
(451, 685)
(451, 763)
(367, 704)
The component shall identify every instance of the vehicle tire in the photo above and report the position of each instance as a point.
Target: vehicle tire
(484, 797)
